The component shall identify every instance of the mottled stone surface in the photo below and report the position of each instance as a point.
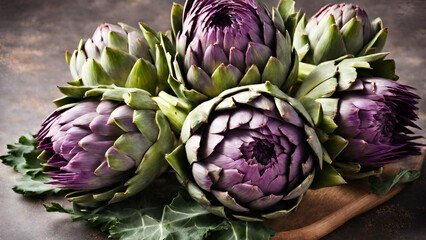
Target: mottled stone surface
(35, 34)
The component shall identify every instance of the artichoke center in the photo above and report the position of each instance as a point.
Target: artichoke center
(221, 19)
(261, 151)
(386, 120)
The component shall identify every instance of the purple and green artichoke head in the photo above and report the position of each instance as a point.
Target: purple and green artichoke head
(106, 149)
(337, 30)
(122, 56)
(374, 115)
(223, 44)
(251, 153)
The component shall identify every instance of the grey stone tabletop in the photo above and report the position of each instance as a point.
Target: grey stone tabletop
(35, 34)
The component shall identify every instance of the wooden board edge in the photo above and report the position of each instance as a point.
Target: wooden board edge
(331, 222)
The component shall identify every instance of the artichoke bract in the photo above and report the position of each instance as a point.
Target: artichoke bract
(373, 115)
(224, 44)
(249, 153)
(109, 148)
(337, 30)
(122, 56)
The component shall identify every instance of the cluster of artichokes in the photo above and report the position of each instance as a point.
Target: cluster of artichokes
(219, 100)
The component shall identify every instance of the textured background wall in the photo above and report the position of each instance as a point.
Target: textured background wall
(35, 34)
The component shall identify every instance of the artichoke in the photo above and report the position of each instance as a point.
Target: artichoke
(224, 44)
(248, 153)
(373, 115)
(337, 30)
(363, 120)
(120, 55)
(109, 146)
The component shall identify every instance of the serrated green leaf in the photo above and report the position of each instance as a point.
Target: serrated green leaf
(182, 219)
(34, 186)
(161, 192)
(101, 216)
(152, 214)
(22, 156)
(245, 230)
(384, 186)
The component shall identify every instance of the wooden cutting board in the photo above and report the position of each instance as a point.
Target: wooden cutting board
(322, 211)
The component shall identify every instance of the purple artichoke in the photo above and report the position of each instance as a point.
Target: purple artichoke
(374, 115)
(224, 44)
(105, 148)
(364, 119)
(250, 150)
(337, 30)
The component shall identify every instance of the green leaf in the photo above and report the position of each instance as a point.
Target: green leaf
(376, 44)
(75, 92)
(318, 75)
(315, 144)
(347, 76)
(159, 212)
(327, 177)
(278, 20)
(283, 51)
(174, 109)
(22, 156)
(245, 230)
(335, 145)
(182, 219)
(352, 33)
(143, 75)
(330, 46)
(275, 72)
(117, 65)
(62, 101)
(384, 69)
(160, 193)
(224, 77)
(177, 160)
(314, 109)
(34, 186)
(384, 186)
(151, 37)
(286, 8)
(325, 89)
(162, 68)
(102, 217)
(293, 74)
(176, 18)
(301, 40)
(252, 76)
(118, 41)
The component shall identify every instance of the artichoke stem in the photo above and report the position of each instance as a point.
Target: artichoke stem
(305, 69)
